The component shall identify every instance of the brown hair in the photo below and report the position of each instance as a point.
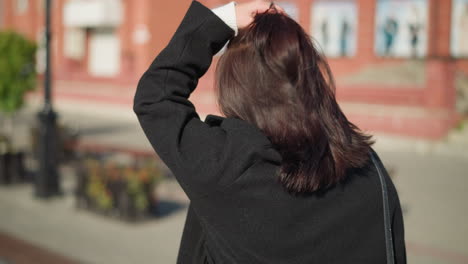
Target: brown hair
(272, 76)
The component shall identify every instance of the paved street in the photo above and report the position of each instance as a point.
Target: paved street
(432, 188)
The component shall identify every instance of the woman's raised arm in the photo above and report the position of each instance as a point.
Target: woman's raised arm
(202, 156)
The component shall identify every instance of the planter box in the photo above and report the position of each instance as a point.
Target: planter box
(4, 169)
(12, 168)
(124, 190)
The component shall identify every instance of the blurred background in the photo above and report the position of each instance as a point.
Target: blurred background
(79, 182)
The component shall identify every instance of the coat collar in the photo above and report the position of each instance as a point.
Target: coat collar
(214, 120)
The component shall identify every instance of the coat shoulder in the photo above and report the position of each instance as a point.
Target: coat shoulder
(238, 127)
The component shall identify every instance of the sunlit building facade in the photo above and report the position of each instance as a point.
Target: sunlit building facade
(397, 63)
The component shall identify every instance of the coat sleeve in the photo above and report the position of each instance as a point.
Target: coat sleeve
(398, 230)
(202, 157)
(398, 234)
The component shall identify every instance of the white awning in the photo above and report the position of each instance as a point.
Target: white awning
(93, 13)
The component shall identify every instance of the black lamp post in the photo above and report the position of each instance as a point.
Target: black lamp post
(47, 180)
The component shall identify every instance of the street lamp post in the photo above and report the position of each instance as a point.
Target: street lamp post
(47, 180)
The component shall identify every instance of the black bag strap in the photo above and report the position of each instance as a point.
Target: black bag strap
(386, 207)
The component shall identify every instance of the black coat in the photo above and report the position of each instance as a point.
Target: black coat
(238, 211)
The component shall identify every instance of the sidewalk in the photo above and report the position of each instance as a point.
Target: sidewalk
(15, 251)
(57, 226)
(431, 179)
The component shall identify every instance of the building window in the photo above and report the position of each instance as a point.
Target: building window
(74, 43)
(104, 52)
(401, 28)
(22, 6)
(41, 51)
(334, 26)
(459, 43)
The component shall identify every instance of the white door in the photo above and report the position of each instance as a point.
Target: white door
(104, 53)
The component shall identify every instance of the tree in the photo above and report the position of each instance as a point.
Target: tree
(17, 75)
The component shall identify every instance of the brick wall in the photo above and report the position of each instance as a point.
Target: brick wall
(135, 58)
(162, 17)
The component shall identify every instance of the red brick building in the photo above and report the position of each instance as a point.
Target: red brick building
(113, 41)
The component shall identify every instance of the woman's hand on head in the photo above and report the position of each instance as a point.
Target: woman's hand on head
(245, 12)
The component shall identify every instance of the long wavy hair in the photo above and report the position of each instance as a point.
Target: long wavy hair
(273, 77)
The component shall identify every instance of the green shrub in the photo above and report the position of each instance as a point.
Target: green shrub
(17, 70)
